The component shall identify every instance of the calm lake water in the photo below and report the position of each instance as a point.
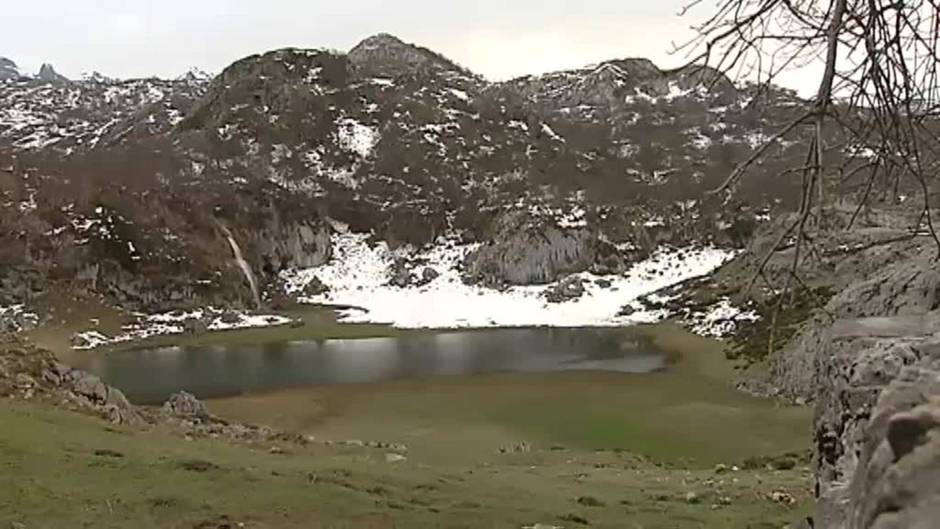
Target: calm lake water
(215, 371)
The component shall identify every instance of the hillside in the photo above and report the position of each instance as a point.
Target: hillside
(131, 186)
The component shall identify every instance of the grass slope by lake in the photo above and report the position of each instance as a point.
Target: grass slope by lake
(64, 470)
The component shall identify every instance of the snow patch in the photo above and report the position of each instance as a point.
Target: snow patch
(170, 323)
(356, 137)
(16, 318)
(460, 94)
(359, 277)
(720, 319)
(551, 133)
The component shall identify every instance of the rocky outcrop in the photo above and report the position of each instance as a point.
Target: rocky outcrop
(877, 433)
(27, 372)
(531, 256)
(568, 289)
(385, 54)
(8, 70)
(185, 405)
(405, 273)
(33, 374)
(612, 86)
(898, 483)
(16, 318)
(527, 251)
(875, 267)
(280, 245)
(907, 286)
(47, 74)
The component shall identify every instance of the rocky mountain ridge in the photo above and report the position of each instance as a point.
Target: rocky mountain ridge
(9, 71)
(391, 139)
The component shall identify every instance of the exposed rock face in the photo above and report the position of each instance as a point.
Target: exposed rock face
(48, 74)
(16, 318)
(529, 256)
(909, 286)
(314, 288)
(400, 274)
(27, 372)
(428, 275)
(61, 115)
(185, 405)
(388, 55)
(282, 245)
(873, 373)
(8, 70)
(526, 251)
(876, 429)
(612, 86)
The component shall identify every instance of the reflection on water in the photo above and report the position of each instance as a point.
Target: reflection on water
(219, 371)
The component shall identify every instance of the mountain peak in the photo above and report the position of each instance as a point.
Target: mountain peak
(380, 40)
(195, 74)
(48, 74)
(8, 69)
(386, 54)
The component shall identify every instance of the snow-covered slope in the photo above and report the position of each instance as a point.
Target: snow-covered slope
(51, 112)
(360, 276)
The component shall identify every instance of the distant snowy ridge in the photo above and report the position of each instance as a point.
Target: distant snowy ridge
(358, 276)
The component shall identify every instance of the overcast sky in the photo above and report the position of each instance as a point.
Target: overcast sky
(497, 38)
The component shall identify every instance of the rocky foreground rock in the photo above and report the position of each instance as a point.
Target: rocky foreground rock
(877, 428)
(861, 345)
(32, 374)
(29, 373)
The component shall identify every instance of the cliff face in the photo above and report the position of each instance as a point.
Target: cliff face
(8, 69)
(524, 250)
(877, 427)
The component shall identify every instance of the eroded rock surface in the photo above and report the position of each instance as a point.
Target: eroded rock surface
(8, 69)
(526, 251)
(876, 434)
(27, 372)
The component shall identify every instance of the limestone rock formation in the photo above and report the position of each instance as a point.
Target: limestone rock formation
(387, 54)
(282, 245)
(525, 251)
(31, 373)
(48, 74)
(28, 372)
(876, 427)
(185, 405)
(8, 70)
